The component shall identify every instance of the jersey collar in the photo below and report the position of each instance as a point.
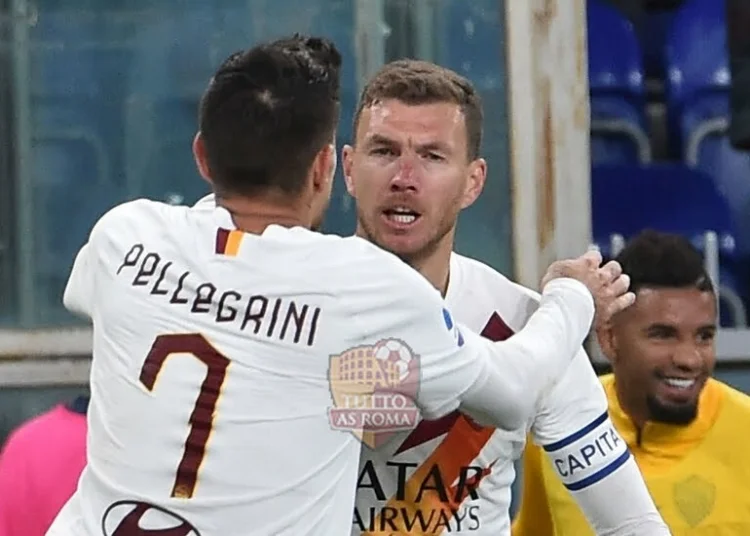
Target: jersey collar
(454, 280)
(667, 435)
(223, 218)
(206, 202)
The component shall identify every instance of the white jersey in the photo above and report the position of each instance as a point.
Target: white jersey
(452, 475)
(228, 369)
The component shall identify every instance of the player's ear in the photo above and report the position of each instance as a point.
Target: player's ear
(475, 182)
(199, 154)
(325, 167)
(607, 340)
(347, 159)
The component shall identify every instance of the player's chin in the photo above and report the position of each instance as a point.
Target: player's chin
(404, 245)
(671, 409)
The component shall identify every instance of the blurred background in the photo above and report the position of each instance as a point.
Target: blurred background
(98, 104)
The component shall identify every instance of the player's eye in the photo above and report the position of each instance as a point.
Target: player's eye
(435, 157)
(706, 336)
(382, 151)
(661, 333)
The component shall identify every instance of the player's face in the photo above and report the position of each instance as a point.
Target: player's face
(410, 176)
(662, 351)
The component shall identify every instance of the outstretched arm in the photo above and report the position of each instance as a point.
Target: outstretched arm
(591, 458)
(497, 383)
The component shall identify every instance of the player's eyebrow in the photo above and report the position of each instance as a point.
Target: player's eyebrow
(660, 329)
(434, 146)
(379, 139)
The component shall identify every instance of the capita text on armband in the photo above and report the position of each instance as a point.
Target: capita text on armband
(588, 455)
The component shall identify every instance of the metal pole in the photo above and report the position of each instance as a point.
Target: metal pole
(24, 178)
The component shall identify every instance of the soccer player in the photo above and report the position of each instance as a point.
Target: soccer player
(414, 165)
(686, 430)
(228, 334)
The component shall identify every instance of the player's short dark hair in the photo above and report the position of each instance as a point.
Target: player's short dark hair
(416, 82)
(654, 259)
(267, 113)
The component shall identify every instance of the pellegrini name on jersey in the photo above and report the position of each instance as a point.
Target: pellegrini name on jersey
(283, 319)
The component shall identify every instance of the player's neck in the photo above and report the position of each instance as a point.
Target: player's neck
(255, 215)
(632, 406)
(434, 263)
(435, 266)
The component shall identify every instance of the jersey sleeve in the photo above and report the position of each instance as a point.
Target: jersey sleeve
(573, 426)
(79, 291)
(495, 383)
(620, 504)
(518, 370)
(81, 288)
(590, 457)
(533, 516)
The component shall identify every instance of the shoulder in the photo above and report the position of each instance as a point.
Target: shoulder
(487, 289)
(377, 291)
(736, 399)
(479, 271)
(129, 226)
(132, 215)
(380, 268)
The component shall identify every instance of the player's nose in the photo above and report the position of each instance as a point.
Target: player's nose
(405, 177)
(687, 357)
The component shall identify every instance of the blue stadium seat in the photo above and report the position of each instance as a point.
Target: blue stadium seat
(667, 197)
(652, 35)
(698, 72)
(730, 170)
(670, 198)
(618, 122)
(698, 103)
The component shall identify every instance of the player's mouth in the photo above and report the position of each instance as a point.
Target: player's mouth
(680, 383)
(680, 387)
(401, 217)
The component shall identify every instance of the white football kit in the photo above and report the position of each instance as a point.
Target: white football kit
(452, 475)
(226, 369)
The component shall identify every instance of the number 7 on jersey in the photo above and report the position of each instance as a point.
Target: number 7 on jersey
(202, 418)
